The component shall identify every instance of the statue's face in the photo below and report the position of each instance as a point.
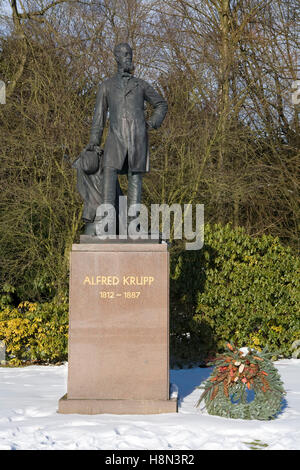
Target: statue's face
(124, 58)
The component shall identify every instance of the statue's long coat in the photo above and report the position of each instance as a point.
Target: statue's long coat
(124, 100)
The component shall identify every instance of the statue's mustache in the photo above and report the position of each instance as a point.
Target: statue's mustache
(127, 66)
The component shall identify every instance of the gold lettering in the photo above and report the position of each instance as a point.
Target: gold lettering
(114, 280)
(87, 280)
(138, 280)
(103, 280)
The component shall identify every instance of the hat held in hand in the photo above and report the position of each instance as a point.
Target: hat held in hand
(90, 159)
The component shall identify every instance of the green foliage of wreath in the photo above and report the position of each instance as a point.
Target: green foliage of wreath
(236, 374)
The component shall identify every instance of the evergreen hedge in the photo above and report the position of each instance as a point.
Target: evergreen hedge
(237, 288)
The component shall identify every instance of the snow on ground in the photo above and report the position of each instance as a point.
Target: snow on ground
(28, 418)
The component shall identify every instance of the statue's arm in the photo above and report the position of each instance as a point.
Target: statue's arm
(100, 114)
(159, 104)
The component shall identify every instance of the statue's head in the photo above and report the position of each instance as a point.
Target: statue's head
(123, 56)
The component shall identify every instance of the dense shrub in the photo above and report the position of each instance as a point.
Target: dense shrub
(237, 288)
(34, 332)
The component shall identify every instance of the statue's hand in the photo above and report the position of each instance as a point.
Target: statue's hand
(90, 147)
(94, 148)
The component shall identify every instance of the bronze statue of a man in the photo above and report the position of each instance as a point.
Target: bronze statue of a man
(126, 148)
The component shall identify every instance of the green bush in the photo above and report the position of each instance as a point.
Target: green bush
(236, 289)
(34, 332)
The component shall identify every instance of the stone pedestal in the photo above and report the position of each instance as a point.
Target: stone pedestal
(119, 330)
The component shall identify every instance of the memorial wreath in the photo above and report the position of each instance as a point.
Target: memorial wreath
(235, 377)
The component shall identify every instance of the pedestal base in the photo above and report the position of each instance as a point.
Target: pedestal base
(118, 358)
(119, 407)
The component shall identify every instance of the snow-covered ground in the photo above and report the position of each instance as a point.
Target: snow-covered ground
(28, 418)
